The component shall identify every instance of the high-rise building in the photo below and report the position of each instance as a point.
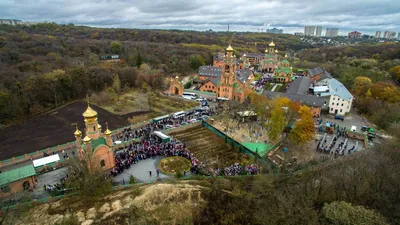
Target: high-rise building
(332, 32)
(354, 34)
(309, 31)
(398, 36)
(389, 35)
(298, 34)
(318, 32)
(378, 34)
(274, 31)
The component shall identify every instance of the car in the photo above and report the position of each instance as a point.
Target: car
(192, 120)
(199, 99)
(184, 123)
(364, 128)
(168, 126)
(337, 117)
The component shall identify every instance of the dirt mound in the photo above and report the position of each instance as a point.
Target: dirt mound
(51, 129)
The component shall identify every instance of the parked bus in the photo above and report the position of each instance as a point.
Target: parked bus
(221, 99)
(155, 120)
(162, 136)
(179, 114)
(189, 95)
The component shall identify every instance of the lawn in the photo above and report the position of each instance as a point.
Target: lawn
(171, 165)
(268, 86)
(152, 105)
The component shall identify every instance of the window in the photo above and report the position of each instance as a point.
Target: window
(337, 104)
(338, 99)
(331, 109)
(340, 110)
(333, 103)
(5, 189)
(333, 98)
(94, 128)
(102, 163)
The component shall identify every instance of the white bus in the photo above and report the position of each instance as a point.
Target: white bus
(189, 95)
(179, 114)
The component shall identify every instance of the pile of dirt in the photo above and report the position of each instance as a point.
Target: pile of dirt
(162, 203)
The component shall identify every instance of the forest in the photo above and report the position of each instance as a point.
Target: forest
(47, 65)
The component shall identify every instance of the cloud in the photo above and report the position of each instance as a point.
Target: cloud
(291, 15)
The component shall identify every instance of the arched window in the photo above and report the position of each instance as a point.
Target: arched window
(94, 127)
(102, 163)
(26, 185)
(227, 69)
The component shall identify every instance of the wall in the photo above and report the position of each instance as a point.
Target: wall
(17, 186)
(209, 87)
(336, 103)
(103, 153)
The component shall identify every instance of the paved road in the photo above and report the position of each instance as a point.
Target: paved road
(140, 171)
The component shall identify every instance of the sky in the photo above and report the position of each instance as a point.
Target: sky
(366, 16)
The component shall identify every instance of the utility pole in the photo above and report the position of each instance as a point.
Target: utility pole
(228, 27)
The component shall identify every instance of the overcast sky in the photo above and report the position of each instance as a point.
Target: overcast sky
(366, 16)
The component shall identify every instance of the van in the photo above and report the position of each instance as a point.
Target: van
(179, 114)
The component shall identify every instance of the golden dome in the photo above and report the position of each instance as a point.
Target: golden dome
(107, 132)
(285, 55)
(276, 51)
(229, 48)
(87, 139)
(176, 77)
(271, 44)
(89, 112)
(77, 133)
(244, 55)
(266, 50)
(98, 126)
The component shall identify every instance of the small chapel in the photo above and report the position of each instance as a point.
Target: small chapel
(97, 147)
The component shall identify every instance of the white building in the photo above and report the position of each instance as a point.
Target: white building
(338, 99)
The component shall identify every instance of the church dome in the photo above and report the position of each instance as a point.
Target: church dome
(87, 139)
(271, 44)
(107, 132)
(77, 133)
(89, 113)
(276, 51)
(266, 50)
(229, 48)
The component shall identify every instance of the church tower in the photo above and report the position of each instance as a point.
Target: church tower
(271, 47)
(229, 70)
(93, 128)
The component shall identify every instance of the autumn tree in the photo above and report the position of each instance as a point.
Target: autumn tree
(395, 72)
(361, 86)
(116, 47)
(116, 84)
(343, 213)
(304, 128)
(196, 61)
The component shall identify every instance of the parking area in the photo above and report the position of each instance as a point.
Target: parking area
(352, 119)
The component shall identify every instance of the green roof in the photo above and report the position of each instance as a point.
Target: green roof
(261, 148)
(235, 85)
(99, 141)
(285, 61)
(283, 69)
(16, 174)
(270, 56)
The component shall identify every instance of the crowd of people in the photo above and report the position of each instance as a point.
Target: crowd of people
(150, 146)
(59, 186)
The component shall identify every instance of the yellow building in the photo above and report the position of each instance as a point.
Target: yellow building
(96, 147)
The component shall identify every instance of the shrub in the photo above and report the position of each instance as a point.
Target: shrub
(132, 180)
(178, 174)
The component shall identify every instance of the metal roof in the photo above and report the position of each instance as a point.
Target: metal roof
(243, 75)
(299, 86)
(338, 89)
(16, 174)
(314, 72)
(211, 71)
(308, 100)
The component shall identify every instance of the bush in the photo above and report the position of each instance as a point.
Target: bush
(132, 180)
(178, 174)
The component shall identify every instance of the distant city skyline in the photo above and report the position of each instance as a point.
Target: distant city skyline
(365, 16)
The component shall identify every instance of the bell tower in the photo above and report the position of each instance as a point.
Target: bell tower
(271, 47)
(229, 70)
(92, 126)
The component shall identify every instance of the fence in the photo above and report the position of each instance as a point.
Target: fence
(71, 145)
(266, 162)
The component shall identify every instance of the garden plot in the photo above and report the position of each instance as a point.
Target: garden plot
(209, 148)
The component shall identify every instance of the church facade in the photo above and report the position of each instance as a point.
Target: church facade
(96, 147)
(227, 78)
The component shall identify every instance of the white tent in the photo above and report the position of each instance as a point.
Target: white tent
(46, 160)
